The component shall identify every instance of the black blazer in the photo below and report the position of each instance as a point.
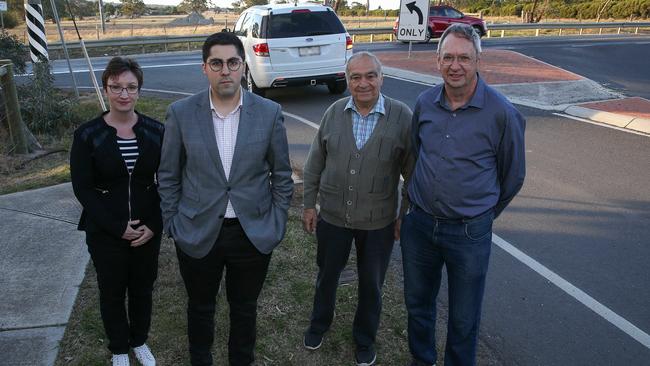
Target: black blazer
(101, 182)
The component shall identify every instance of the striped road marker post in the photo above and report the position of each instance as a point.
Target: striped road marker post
(36, 30)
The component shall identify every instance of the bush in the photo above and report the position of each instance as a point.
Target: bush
(10, 19)
(11, 48)
(44, 108)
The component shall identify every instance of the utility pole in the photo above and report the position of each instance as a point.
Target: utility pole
(101, 16)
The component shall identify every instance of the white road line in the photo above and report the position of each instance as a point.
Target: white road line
(145, 89)
(303, 120)
(142, 67)
(600, 309)
(601, 124)
(410, 81)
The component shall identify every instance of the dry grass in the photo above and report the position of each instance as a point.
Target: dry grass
(283, 314)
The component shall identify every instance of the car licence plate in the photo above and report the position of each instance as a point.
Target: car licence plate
(309, 51)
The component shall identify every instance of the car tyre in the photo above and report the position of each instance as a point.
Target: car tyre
(251, 86)
(337, 87)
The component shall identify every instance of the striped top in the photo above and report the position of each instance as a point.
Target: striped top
(129, 151)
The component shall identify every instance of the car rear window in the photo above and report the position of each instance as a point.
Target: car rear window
(300, 24)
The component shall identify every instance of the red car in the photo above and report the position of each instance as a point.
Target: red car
(440, 17)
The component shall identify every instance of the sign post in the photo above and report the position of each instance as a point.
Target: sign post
(3, 8)
(413, 21)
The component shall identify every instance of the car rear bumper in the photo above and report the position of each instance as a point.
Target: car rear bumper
(307, 80)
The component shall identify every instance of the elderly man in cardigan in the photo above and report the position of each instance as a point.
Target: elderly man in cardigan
(354, 166)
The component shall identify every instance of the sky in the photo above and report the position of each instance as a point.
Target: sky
(374, 4)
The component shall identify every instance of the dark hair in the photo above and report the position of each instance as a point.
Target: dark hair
(117, 65)
(224, 39)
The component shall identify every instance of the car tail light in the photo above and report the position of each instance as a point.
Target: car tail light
(301, 11)
(348, 43)
(261, 49)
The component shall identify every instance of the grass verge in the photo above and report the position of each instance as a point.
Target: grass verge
(283, 313)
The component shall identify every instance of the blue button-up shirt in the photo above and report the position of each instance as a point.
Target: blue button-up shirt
(362, 126)
(469, 160)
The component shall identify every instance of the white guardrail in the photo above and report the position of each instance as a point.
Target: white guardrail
(165, 41)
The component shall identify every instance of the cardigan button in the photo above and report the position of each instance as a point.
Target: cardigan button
(352, 171)
(349, 203)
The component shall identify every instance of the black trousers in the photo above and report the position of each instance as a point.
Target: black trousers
(246, 270)
(374, 249)
(123, 270)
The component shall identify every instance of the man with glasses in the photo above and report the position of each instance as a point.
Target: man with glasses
(469, 143)
(225, 186)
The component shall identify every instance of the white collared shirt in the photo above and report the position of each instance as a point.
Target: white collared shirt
(225, 130)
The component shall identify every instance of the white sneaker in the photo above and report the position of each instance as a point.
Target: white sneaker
(144, 355)
(121, 360)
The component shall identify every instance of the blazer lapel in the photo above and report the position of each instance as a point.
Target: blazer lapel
(203, 118)
(246, 121)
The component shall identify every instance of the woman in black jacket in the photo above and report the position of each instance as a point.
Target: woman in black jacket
(113, 163)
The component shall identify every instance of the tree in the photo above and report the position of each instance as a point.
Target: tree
(194, 6)
(133, 8)
(602, 10)
(249, 3)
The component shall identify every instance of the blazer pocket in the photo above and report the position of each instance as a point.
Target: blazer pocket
(190, 195)
(264, 206)
(186, 208)
(258, 136)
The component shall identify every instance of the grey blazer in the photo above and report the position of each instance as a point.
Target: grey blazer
(193, 187)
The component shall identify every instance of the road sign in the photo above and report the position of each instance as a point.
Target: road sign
(3, 6)
(413, 20)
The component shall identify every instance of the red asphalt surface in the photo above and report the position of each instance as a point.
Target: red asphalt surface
(508, 67)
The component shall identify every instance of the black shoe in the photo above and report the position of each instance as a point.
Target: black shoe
(312, 341)
(365, 355)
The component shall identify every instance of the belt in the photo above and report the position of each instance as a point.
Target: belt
(230, 221)
(451, 220)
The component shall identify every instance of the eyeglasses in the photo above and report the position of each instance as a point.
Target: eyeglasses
(233, 64)
(131, 89)
(464, 60)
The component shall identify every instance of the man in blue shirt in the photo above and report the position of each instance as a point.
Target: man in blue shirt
(469, 142)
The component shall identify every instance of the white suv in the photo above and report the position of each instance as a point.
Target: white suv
(291, 45)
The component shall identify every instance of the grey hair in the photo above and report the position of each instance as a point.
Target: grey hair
(463, 31)
(359, 55)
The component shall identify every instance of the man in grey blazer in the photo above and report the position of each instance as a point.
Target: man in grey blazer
(225, 186)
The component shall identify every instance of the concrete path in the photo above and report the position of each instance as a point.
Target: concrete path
(41, 267)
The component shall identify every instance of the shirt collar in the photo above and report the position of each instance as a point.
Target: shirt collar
(477, 100)
(377, 108)
(241, 101)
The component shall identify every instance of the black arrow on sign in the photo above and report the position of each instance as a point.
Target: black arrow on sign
(412, 7)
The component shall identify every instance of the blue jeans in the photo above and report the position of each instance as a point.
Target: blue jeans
(463, 246)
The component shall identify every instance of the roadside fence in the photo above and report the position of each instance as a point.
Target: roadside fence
(148, 44)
